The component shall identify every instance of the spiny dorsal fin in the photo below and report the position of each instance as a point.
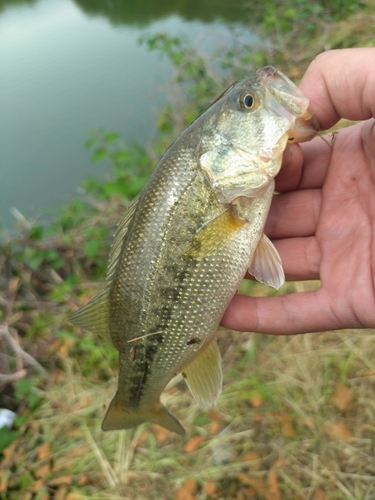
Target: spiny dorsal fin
(266, 265)
(204, 375)
(94, 316)
(214, 235)
(119, 236)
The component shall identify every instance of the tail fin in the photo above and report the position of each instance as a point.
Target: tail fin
(119, 417)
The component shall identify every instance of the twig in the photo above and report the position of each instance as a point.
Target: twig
(143, 336)
(55, 276)
(107, 470)
(13, 376)
(4, 331)
(128, 453)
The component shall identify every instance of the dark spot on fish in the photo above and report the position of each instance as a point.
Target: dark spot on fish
(104, 407)
(183, 374)
(164, 315)
(132, 353)
(172, 268)
(138, 380)
(170, 294)
(171, 285)
(193, 341)
(184, 273)
(291, 139)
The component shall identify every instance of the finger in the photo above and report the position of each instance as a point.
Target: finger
(300, 258)
(294, 214)
(340, 84)
(290, 174)
(287, 315)
(305, 165)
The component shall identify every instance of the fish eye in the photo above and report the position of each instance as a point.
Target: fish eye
(248, 101)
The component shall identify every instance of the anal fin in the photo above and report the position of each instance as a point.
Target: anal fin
(204, 376)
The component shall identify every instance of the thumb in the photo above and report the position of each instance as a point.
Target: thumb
(340, 84)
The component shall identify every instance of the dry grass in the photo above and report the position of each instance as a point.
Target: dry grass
(295, 420)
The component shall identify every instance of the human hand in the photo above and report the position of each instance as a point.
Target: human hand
(323, 221)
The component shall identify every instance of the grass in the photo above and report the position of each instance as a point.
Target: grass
(296, 416)
(301, 408)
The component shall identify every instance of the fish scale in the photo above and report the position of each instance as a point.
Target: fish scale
(183, 247)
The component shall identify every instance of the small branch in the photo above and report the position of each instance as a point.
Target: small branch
(4, 331)
(13, 376)
(102, 459)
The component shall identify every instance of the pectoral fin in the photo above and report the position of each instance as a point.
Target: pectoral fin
(204, 376)
(214, 235)
(266, 265)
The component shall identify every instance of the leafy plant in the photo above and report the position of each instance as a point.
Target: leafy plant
(130, 166)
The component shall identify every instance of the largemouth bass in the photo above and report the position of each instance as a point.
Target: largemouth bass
(187, 240)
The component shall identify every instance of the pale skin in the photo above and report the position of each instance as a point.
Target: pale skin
(323, 221)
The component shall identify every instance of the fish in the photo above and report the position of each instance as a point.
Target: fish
(185, 243)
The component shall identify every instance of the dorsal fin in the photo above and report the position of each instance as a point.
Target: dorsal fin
(119, 236)
(94, 316)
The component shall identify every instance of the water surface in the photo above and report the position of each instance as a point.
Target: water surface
(68, 66)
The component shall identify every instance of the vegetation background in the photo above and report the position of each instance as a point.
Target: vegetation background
(296, 417)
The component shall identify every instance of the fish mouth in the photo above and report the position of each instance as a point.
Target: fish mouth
(285, 99)
(304, 129)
